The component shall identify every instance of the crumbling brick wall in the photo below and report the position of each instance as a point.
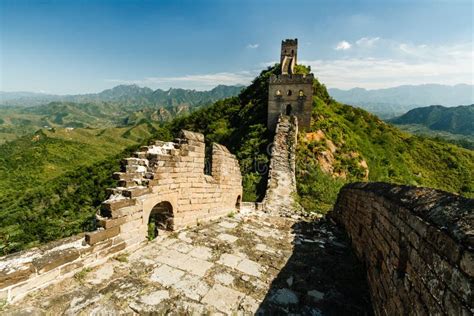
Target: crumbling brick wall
(170, 174)
(417, 244)
(281, 186)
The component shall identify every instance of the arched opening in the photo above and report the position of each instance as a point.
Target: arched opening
(289, 92)
(301, 93)
(237, 203)
(161, 218)
(278, 92)
(288, 109)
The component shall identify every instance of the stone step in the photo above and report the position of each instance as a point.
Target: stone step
(136, 191)
(127, 176)
(115, 204)
(129, 183)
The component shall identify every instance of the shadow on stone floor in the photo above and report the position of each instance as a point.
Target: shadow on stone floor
(322, 276)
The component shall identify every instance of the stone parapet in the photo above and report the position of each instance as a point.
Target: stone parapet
(291, 79)
(417, 244)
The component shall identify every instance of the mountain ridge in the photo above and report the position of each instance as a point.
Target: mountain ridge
(394, 101)
(122, 93)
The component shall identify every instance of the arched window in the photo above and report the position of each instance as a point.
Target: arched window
(289, 92)
(161, 218)
(278, 92)
(301, 93)
(288, 109)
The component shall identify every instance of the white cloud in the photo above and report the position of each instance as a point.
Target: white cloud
(197, 81)
(343, 45)
(393, 63)
(253, 45)
(367, 41)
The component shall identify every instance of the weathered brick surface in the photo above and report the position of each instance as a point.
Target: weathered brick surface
(174, 173)
(101, 235)
(417, 244)
(281, 186)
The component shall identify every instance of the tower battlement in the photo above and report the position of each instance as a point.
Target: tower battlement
(289, 41)
(291, 79)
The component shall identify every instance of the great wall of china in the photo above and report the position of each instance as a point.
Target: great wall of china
(416, 244)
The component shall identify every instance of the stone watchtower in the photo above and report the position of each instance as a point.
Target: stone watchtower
(290, 93)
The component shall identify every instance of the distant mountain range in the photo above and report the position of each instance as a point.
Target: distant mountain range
(456, 120)
(391, 102)
(132, 95)
(25, 112)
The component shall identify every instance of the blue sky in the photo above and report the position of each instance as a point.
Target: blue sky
(69, 47)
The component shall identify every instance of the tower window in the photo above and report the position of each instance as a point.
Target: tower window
(289, 93)
(288, 109)
(278, 92)
(301, 93)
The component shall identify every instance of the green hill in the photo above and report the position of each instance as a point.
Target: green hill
(456, 120)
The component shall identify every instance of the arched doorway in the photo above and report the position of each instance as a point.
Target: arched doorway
(288, 109)
(237, 203)
(161, 218)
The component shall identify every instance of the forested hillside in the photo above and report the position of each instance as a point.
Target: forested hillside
(57, 183)
(456, 120)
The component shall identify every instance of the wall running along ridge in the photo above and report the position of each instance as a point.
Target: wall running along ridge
(164, 173)
(281, 186)
(417, 245)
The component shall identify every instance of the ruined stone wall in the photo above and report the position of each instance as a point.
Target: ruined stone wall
(417, 245)
(170, 173)
(281, 186)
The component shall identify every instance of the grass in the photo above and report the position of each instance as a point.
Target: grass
(81, 275)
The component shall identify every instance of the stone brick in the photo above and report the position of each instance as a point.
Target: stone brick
(17, 274)
(34, 283)
(112, 250)
(95, 237)
(136, 191)
(55, 259)
(110, 223)
(113, 205)
(71, 267)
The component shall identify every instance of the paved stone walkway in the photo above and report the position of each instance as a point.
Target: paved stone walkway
(247, 264)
